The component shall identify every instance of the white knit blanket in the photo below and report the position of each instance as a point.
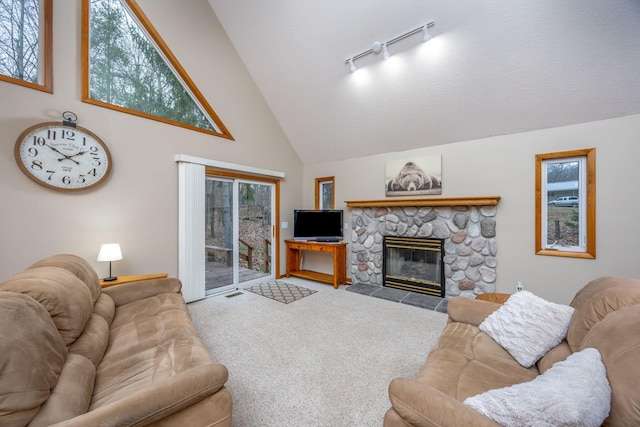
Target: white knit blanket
(574, 392)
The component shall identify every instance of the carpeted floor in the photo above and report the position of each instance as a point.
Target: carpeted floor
(326, 360)
(281, 291)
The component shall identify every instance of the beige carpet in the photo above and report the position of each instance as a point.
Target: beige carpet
(281, 291)
(326, 360)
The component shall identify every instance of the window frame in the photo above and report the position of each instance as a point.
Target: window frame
(320, 182)
(587, 203)
(168, 56)
(45, 53)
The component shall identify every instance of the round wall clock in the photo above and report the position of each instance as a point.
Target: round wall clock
(62, 156)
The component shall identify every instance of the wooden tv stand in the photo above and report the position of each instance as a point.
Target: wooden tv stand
(338, 250)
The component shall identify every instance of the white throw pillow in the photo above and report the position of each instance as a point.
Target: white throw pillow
(574, 392)
(527, 326)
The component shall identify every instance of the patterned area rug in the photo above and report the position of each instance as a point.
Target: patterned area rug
(281, 291)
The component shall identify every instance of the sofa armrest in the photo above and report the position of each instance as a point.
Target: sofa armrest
(424, 406)
(156, 401)
(134, 291)
(471, 311)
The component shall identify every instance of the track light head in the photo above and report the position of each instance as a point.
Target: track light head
(385, 52)
(426, 36)
(352, 66)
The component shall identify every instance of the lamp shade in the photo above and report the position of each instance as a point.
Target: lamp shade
(110, 252)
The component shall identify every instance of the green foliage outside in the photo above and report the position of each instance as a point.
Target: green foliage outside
(126, 69)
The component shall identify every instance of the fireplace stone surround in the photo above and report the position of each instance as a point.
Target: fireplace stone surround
(467, 226)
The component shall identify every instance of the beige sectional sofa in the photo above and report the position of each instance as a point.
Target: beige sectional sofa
(467, 362)
(73, 354)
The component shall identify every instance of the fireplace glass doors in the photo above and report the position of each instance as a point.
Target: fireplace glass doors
(413, 264)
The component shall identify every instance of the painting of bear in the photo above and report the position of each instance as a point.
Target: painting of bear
(413, 180)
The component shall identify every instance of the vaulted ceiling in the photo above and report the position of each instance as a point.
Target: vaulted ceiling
(493, 67)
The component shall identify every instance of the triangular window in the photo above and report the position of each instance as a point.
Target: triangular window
(128, 67)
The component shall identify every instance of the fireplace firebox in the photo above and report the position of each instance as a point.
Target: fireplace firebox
(413, 264)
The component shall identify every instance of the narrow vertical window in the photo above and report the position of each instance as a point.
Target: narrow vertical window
(128, 67)
(25, 43)
(325, 193)
(565, 204)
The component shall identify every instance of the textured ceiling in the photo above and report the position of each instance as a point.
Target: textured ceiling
(494, 67)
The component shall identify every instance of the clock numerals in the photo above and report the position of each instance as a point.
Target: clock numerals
(66, 179)
(67, 134)
(39, 141)
(36, 165)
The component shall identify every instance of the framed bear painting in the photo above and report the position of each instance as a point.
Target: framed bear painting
(419, 176)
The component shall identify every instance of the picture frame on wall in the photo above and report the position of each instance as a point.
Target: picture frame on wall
(418, 176)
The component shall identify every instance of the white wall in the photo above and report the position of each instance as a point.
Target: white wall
(505, 166)
(138, 204)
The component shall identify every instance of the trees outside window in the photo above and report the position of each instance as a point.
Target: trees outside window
(128, 67)
(25, 43)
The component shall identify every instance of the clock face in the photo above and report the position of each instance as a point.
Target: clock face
(62, 157)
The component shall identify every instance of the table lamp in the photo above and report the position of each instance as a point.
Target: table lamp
(110, 252)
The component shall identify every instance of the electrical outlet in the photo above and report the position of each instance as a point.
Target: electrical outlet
(519, 286)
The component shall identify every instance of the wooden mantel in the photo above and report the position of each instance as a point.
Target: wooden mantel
(450, 201)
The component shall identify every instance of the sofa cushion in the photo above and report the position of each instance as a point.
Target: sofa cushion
(132, 373)
(150, 340)
(33, 354)
(597, 299)
(93, 341)
(63, 295)
(72, 394)
(144, 324)
(527, 326)
(105, 308)
(618, 340)
(465, 361)
(574, 392)
(76, 265)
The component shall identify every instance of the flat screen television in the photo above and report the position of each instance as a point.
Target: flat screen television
(316, 225)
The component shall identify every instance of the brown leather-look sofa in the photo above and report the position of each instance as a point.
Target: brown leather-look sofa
(465, 361)
(74, 354)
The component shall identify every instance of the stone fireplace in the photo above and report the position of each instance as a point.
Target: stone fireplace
(466, 226)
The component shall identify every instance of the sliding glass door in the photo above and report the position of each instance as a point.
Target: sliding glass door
(239, 224)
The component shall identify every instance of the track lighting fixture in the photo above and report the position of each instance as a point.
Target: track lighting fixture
(383, 47)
